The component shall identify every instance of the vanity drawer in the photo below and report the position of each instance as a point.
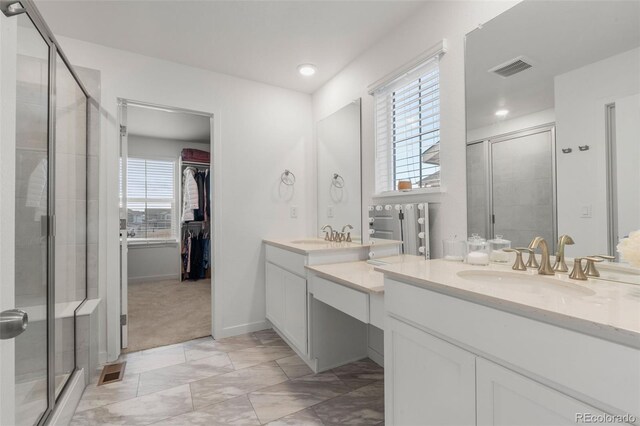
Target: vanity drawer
(292, 262)
(351, 302)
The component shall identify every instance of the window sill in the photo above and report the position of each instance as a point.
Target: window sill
(150, 243)
(413, 192)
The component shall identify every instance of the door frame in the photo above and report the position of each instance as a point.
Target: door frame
(489, 141)
(123, 305)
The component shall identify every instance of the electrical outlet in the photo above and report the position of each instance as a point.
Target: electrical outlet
(293, 211)
(585, 211)
(330, 211)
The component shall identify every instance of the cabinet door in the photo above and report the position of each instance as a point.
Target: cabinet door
(295, 310)
(274, 283)
(427, 380)
(508, 398)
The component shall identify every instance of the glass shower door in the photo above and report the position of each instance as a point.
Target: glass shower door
(25, 252)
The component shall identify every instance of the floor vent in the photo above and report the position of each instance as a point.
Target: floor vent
(112, 373)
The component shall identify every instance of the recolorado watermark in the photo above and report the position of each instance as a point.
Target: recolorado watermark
(604, 418)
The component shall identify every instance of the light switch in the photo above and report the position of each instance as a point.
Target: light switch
(330, 211)
(585, 211)
(293, 211)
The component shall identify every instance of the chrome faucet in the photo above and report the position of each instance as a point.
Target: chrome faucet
(346, 235)
(545, 265)
(328, 235)
(560, 265)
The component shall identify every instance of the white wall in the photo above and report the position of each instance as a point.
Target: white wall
(580, 97)
(259, 130)
(150, 262)
(513, 125)
(435, 21)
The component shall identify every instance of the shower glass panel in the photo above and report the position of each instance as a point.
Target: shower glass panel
(71, 217)
(31, 209)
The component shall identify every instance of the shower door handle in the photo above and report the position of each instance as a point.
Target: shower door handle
(13, 323)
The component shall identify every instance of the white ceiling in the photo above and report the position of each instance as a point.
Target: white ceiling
(258, 40)
(557, 36)
(167, 125)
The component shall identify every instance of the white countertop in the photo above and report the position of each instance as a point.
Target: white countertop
(605, 309)
(311, 245)
(360, 275)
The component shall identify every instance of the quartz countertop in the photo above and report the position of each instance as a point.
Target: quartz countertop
(605, 309)
(311, 245)
(360, 275)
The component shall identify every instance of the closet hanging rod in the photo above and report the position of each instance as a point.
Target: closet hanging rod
(195, 163)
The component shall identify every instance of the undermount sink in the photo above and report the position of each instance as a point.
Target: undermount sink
(526, 282)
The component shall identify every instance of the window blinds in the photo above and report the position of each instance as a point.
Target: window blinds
(150, 198)
(407, 128)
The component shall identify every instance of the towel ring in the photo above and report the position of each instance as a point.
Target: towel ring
(337, 181)
(288, 178)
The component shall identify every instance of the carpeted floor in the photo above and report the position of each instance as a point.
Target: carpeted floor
(166, 312)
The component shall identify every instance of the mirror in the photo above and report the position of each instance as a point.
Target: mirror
(339, 193)
(408, 223)
(553, 124)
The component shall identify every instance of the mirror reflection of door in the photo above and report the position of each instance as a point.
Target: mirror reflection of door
(511, 187)
(522, 182)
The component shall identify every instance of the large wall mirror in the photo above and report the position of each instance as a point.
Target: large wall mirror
(339, 189)
(553, 124)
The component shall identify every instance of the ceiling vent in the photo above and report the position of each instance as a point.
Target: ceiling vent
(511, 67)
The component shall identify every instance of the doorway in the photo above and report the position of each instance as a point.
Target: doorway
(166, 217)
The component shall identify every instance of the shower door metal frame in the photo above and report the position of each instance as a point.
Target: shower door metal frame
(13, 8)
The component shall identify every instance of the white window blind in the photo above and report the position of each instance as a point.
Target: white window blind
(407, 120)
(151, 200)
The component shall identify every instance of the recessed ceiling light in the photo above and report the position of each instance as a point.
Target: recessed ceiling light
(307, 69)
(502, 112)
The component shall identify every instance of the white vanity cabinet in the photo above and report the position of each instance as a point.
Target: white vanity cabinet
(431, 382)
(508, 398)
(286, 302)
(449, 361)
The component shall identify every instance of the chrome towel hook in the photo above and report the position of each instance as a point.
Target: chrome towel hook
(288, 178)
(337, 181)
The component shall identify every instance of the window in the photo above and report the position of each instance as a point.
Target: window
(151, 201)
(407, 116)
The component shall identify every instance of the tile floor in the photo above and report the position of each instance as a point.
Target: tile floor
(251, 379)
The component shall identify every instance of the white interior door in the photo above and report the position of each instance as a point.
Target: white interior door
(25, 255)
(627, 151)
(124, 283)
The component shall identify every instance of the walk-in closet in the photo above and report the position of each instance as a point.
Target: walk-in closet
(165, 225)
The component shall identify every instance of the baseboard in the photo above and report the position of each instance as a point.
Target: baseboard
(135, 280)
(244, 328)
(68, 402)
(376, 357)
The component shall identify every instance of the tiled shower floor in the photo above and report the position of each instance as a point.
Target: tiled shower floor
(251, 379)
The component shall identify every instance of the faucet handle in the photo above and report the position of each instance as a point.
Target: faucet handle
(519, 263)
(532, 262)
(577, 273)
(604, 257)
(590, 269)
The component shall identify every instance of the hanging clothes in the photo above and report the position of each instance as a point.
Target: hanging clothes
(199, 212)
(207, 196)
(190, 199)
